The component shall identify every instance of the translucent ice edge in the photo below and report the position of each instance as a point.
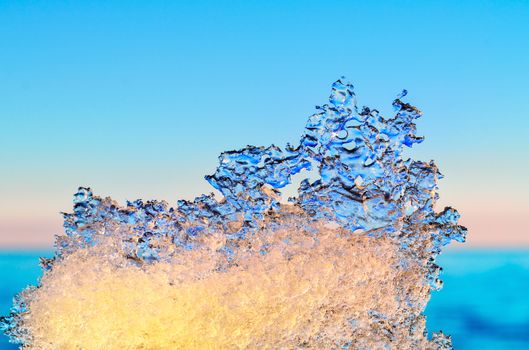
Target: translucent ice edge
(347, 264)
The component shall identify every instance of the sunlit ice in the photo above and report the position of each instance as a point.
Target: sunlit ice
(347, 263)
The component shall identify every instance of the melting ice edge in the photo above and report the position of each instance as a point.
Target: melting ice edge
(347, 264)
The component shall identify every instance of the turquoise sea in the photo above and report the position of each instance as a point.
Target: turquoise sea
(484, 303)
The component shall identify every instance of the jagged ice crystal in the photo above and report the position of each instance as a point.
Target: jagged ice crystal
(348, 263)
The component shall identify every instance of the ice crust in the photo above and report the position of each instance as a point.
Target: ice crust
(347, 264)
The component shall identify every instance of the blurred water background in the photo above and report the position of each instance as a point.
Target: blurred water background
(483, 304)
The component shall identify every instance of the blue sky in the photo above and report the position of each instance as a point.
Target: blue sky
(136, 99)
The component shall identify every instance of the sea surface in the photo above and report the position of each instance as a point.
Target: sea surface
(484, 303)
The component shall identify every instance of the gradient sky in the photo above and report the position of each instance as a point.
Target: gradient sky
(137, 98)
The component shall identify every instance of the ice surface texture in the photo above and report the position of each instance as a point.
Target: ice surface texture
(347, 264)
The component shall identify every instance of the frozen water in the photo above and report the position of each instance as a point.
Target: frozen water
(348, 263)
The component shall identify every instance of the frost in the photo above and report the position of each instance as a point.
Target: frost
(347, 264)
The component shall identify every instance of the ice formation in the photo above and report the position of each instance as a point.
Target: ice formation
(348, 263)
